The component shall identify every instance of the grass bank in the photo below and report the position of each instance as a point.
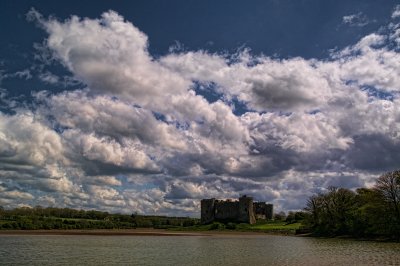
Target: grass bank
(277, 227)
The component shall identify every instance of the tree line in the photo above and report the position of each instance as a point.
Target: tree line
(26, 218)
(366, 212)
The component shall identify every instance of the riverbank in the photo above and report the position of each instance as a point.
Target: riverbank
(143, 232)
(130, 232)
(102, 232)
(261, 228)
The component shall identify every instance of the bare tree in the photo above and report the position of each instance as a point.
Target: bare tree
(388, 186)
(314, 208)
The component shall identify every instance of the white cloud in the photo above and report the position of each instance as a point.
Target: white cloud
(288, 85)
(396, 12)
(109, 151)
(98, 114)
(16, 195)
(103, 180)
(25, 74)
(49, 77)
(110, 56)
(22, 74)
(303, 133)
(24, 140)
(358, 20)
(366, 65)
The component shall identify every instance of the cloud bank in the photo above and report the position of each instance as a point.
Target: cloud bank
(155, 135)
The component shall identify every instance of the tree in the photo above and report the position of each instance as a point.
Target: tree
(331, 213)
(299, 216)
(290, 218)
(281, 216)
(314, 208)
(388, 188)
(370, 215)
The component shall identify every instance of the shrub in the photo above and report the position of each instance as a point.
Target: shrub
(217, 226)
(231, 226)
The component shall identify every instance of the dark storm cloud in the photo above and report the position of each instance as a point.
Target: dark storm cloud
(375, 152)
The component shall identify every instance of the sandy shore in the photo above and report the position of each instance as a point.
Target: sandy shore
(130, 232)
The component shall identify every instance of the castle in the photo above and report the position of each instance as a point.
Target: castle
(242, 211)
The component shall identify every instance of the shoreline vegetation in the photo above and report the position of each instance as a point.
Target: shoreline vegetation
(365, 214)
(101, 232)
(64, 219)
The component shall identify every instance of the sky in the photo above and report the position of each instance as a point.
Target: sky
(150, 106)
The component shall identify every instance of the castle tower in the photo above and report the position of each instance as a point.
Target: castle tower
(207, 210)
(246, 211)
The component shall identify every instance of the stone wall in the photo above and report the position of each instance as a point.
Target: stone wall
(207, 210)
(226, 210)
(246, 212)
(241, 211)
(263, 210)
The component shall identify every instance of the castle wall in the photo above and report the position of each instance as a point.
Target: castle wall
(263, 210)
(226, 210)
(243, 211)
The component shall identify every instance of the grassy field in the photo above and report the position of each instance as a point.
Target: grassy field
(275, 226)
(260, 226)
(76, 219)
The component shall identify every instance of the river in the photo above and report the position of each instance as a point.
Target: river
(193, 250)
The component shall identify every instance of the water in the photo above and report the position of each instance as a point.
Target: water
(193, 250)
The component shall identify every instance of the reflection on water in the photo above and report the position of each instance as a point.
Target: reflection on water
(193, 250)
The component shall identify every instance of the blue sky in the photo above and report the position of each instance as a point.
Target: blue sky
(150, 106)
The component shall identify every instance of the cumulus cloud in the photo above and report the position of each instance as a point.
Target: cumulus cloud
(26, 141)
(288, 85)
(110, 56)
(141, 136)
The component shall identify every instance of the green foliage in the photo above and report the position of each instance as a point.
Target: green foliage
(275, 226)
(364, 213)
(231, 226)
(64, 218)
(295, 217)
(265, 226)
(299, 216)
(388, 189)
(281, 216)
(217, 226)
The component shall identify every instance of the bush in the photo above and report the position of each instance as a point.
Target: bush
(231, 226)
(217, 226)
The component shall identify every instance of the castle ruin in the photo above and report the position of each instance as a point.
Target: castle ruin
(242, 211)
